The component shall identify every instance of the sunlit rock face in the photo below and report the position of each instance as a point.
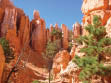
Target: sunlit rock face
(96, 7)
(36, 14)
(9, 21)
(38, 33)
(24, 31)
(60, 62)
(2, 62)
(65, 36)
(108, 27)
(77, 30)
(72, 52)
(92, 5)
(71, 73)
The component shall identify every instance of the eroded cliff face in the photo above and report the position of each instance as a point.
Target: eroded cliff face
(89, 9)
(2, 62)
(96, 7)
(28, 39)
(60, 62)
(33, 37)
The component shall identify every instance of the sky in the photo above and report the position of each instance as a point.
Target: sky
(53, 11)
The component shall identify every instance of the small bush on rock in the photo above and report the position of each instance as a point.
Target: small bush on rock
(8, 52)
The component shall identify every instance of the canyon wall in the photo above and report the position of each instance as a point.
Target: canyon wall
(28, 39)
(101, 8)
(89, 8)
(31, 37)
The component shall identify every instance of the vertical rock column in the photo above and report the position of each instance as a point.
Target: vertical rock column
(38, 30)
(2, 62)
(65, 36)
(77, 30)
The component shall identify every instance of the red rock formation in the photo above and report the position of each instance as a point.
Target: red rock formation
(2, 62)
(51, 28)
(92, 5)
(16, 27)
(36, 14)
(24, 31)
(1, 15)
(77, 30)
(48, 32)
(60, 62)
(96, 7)
(72, 53)
(9, 21)
(56, 26)
(65, 36)
(48, 35)
(38, 33)
(14, 41)
(6, 3)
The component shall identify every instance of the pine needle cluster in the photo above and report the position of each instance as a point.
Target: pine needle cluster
(97, 47)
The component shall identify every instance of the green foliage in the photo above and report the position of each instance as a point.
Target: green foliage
(97, 47)
(90, 66)
(36, 81)
(56, 33)
(7, 50)
(51, 49)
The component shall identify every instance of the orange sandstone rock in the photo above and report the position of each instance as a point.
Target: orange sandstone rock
(2, 62)
(24, 31)
(9, 20)
(65, 36)
(36, 14)
(77, 30)
(92, 5)
(38, 32)
(96, 7)
(60, 62)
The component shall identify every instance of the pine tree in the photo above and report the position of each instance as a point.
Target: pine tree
(96, 48)
(51, 50)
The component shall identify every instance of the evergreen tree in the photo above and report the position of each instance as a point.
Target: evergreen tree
(96, 48)
(51, 50)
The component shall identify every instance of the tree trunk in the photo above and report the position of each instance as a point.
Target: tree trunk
(13, 69)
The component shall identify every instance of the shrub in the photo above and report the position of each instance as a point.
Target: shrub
(56, 33)
(36, 81)
(8, 52)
